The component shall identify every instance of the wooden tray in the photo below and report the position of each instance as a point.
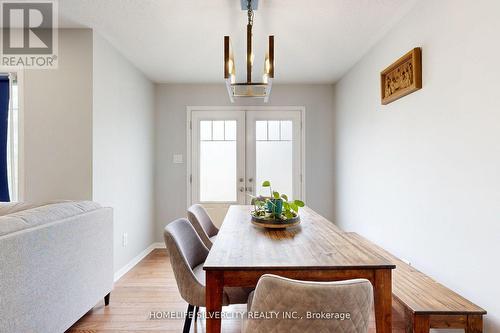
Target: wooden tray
(275, 224)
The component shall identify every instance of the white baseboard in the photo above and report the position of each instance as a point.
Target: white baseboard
(159, 245)
(122, 271)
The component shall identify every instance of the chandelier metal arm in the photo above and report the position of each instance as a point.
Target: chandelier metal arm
(249, 40)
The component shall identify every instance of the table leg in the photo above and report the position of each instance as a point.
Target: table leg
(213, 296)
(382, 289)
(474, 324)
(421, 324)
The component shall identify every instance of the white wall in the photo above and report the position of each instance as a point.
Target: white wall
(123, 148)
(89, 135)
(58, 123)
(171, 102)
(421, 176)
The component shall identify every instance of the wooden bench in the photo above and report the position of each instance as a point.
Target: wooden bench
(424, 302)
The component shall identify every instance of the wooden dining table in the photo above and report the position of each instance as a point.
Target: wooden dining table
(315, 250)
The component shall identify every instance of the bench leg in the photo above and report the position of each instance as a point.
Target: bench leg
(409, 320)
(106, 299)
(421, 324)
(474, 324)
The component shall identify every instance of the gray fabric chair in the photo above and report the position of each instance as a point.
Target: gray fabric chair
(203, 224)
(187, 254)
(286, 296)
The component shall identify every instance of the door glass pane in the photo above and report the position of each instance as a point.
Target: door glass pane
(274, 161)
(261, 130)
(218, 163)
(286, 130)
(230, 130)
(273, 129)
(218, 130)
(206, 130)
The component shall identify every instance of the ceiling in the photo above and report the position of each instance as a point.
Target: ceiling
(181, 41)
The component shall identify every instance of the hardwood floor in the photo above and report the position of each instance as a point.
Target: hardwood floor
(150, 287)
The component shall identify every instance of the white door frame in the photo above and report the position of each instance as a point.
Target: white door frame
(21, 184)
(190, 109)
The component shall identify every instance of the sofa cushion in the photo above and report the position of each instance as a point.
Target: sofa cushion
(19, 216)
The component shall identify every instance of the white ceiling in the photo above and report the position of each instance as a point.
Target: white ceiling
(181, 41)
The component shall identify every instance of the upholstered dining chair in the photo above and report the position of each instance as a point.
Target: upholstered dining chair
(203, 224)
(187, 254)
(302, 306)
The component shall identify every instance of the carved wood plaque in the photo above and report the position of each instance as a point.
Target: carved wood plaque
(402, 77)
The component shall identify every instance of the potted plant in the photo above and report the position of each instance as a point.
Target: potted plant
(276, 207)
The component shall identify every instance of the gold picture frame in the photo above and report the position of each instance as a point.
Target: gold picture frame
(402, 77)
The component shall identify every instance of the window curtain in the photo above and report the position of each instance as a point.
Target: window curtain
(4, 122)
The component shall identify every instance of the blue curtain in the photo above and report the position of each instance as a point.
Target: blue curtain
(4, 121)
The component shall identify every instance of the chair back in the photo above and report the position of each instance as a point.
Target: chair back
(343, 306)
(202, 223)
(186, 251)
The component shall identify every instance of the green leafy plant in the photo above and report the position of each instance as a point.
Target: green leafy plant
(258, 206)
(276, 206)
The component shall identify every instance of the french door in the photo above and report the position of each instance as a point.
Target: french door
(234, 151)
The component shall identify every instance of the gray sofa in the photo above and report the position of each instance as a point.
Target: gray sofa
(56, 263)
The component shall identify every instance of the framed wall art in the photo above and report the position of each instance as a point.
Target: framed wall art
(402, 77)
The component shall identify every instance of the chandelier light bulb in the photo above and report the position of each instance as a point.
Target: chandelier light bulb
(268, 65)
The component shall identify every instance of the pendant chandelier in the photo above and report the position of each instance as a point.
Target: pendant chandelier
(248, 89)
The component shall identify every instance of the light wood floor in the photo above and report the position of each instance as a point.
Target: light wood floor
(149, 287)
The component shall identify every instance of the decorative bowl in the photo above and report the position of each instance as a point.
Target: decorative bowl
(272, 223)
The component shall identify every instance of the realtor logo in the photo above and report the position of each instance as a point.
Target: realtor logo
(29, 33)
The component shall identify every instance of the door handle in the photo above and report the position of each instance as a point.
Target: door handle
(249, 189)
(242, 189)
